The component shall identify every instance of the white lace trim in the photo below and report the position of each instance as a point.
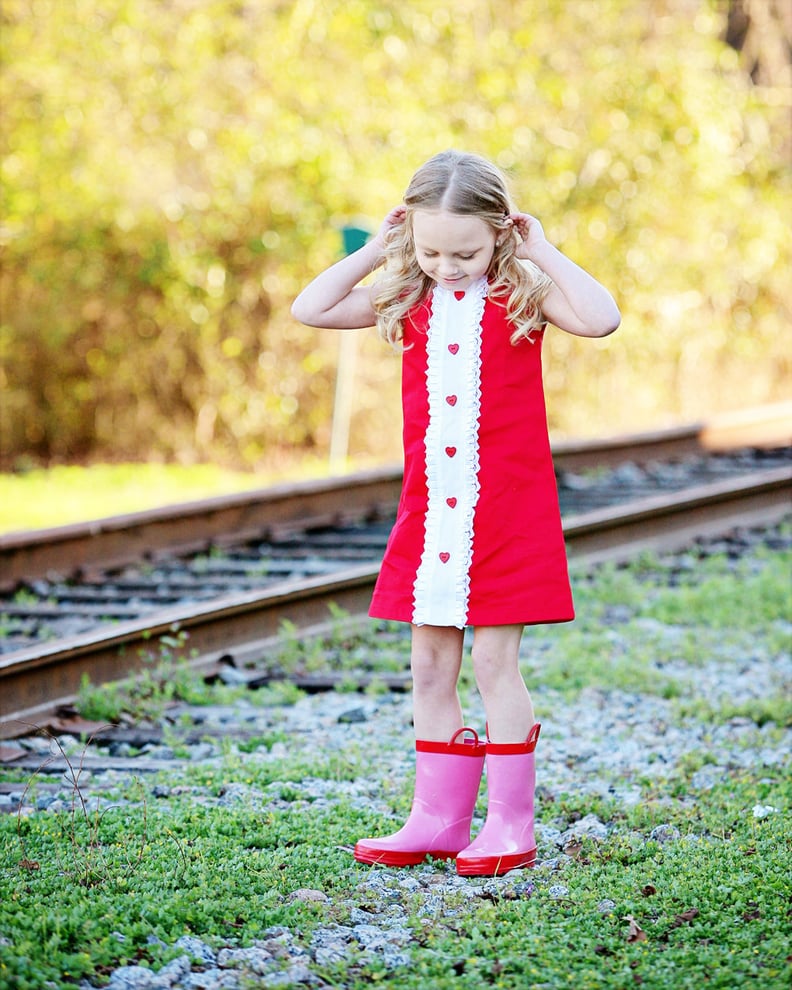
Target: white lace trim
(453, 379)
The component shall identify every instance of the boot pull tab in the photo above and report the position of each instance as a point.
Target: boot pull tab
(533, 735)
(473, 742)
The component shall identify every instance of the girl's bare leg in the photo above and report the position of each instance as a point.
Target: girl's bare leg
(435, 660)
(510, 712)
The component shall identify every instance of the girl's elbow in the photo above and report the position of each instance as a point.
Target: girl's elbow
(607, 325)
(610, 327)
(302, 313)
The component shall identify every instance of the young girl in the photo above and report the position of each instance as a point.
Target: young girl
(468, 287)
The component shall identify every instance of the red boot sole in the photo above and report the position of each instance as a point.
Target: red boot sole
(395, 857)
(494, 866)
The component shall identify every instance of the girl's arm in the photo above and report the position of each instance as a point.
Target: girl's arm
(334, 300)
(576, 302)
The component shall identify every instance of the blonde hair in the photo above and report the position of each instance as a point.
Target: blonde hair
(468, 185)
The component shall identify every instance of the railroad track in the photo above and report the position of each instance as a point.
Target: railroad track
(234, 569)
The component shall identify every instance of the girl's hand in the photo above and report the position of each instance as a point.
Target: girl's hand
(394, 219)
(530, 233)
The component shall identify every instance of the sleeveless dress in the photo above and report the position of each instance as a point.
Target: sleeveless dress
(478, 537)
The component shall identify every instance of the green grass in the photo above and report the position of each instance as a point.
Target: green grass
(41, 498)
(635, 621)
(81, 892)
(713, 911)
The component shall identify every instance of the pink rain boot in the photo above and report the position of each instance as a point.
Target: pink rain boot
(447, 778)
(506, 842)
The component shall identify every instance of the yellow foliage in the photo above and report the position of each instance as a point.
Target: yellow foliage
(174, 172)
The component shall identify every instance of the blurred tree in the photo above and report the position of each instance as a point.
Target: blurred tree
(173, 173)
(761, 30)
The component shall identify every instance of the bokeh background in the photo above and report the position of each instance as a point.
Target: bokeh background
(175, 170)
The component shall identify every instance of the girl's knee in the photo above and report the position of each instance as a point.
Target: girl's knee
(495, 653)
(488, 668)
(433, 672)
(435, 661)
(493, 668)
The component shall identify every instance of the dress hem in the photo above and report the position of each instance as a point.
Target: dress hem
(502, 619)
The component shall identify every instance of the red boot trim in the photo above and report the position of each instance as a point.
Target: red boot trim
(397, 857)
(493, 866)
(508, 749)
(467, 747)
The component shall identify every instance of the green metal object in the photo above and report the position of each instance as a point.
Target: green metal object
(354, 238)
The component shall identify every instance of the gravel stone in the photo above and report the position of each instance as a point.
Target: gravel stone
(707, 777)
(298, 973)
(606, 744)
(546, 835)
(353, 715)
(589, 827)
(197, 949)
(132, 978)
(211, 979)
(331, 944)
(254, 959)
(664, 834)
(306, 895)
(202, 751)
(522, 890)
(174, 971)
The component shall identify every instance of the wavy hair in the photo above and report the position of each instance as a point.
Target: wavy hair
(467, 185)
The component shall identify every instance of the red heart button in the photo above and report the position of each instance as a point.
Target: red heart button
(451, 502)
(450, 451)
(445, 557)
(451, 400)
(459, 294)
(453, 348)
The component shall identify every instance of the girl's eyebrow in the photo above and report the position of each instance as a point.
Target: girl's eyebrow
(429, 250)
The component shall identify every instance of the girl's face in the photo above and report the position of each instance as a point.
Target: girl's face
(453, 249)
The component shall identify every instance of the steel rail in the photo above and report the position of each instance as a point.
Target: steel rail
(246, 626)
(191, 527)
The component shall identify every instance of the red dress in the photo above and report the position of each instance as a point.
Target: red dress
(477, 538)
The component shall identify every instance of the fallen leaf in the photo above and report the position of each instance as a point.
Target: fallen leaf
(684, 918)
(635, 933)
(649, 890)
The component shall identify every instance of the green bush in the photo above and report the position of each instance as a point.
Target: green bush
(173, 173)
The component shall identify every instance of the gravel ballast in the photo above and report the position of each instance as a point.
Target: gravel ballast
(607, 742)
